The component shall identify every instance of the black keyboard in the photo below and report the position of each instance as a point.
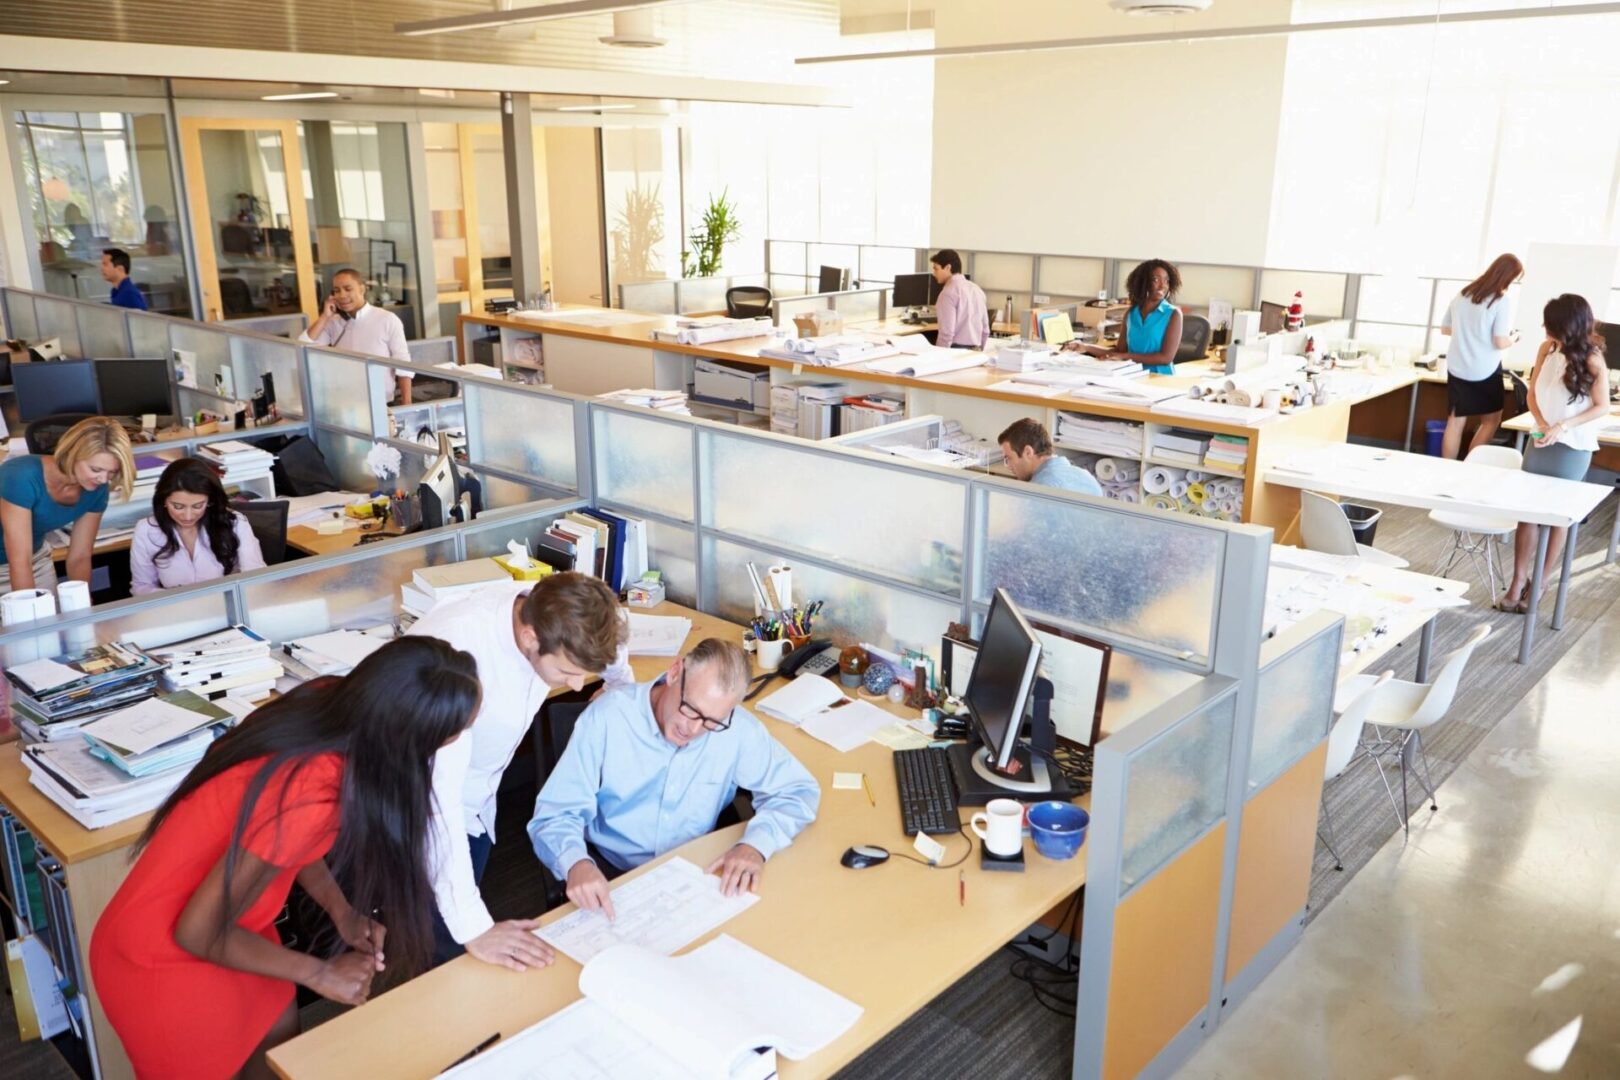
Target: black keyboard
(927, 791)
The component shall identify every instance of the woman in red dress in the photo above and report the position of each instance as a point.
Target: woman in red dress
(335, 777)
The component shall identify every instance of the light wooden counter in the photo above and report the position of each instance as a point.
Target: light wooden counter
(890, 938)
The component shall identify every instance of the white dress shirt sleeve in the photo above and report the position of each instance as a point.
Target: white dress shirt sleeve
(249, 555)
(450, 860)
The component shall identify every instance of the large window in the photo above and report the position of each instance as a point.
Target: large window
(99, 180)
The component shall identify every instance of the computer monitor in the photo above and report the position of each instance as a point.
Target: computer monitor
(1077, 668)
(833, 279)
(135, 387)
(998, 690)
(58, 386)
(1273, 317)
(912, 290)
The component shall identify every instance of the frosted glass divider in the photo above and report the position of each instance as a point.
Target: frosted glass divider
(1298, 673)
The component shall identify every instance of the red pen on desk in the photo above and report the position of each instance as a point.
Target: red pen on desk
(961, 888)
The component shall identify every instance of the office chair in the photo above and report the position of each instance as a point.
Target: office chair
(748, 301)
(237, 299)
(1323, 527)
(1344, 739)
(1474, 535)
(1194, 338)
(268, 520)
(552, 729)
(43, 434)
(235, 240)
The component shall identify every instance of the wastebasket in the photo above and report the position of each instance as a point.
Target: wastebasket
(1434, 431)
(1363, 521)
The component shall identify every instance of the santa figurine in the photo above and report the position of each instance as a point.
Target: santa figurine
(1296, 312)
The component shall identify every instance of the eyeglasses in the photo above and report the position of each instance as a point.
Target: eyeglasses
(691, 713)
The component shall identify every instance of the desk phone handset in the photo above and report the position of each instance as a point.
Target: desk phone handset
(814, 657)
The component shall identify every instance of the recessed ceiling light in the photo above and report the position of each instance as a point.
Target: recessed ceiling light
(592, 108)
(300, 97)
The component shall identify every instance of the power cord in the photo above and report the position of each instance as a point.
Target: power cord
(1054, 986)
(961, 827)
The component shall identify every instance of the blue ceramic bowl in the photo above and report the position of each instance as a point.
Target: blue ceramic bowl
(1059, 828)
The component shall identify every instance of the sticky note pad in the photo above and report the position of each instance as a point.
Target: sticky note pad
(847, 781)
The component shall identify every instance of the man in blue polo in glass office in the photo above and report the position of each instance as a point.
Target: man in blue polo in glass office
(651, 766)
(1027, 450)
(115, 269)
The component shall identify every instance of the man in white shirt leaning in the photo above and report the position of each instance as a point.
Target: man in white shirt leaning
(527, 641)
(349, 322)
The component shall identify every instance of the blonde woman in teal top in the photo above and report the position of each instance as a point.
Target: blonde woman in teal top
(1153, 328)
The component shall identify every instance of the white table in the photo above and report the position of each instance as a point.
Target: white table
(1608, 435)
(1350, 471)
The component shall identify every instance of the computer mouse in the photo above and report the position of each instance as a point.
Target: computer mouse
(861, 856)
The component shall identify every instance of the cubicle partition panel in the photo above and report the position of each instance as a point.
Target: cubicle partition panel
(340, 392)
(56, 318)
(1281, 797)
(22, 323)
(211, 352)
(104, 331)
(683, 296)
(855, 305)
(281, 326)
(252, 358)
(148, 334)
(435, 350)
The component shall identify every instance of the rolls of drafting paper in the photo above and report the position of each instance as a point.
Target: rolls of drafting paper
(1197, 494)
(1131, 494)
(26, 605)
(1110, 470)
(1178, 490)
(1159, 501)
(1107, 470)
(1157, 480)
(1196, 477)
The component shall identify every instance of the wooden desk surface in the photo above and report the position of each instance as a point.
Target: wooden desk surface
(890, 938)
(305, 539)
(66, 838)
(1526, 422)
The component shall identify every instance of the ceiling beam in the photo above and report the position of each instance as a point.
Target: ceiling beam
(489, 20)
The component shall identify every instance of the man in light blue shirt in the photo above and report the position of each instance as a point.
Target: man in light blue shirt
(1026, 448)
(651, 766)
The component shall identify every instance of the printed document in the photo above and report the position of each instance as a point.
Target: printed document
(663, 910)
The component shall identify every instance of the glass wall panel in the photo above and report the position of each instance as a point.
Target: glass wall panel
(500, 492)
(703, 295)
(1201, 284)
(923, 545)
(100, 180)
(671, 550)
(641, 191)
(880, 265)
(856, 610)
(1002, 273)
(150, 626)
(57, 320)
(340, 390)
(492, 539)
(489, 199)
(346, 456)
(356, 594)
(1394, 299)
(858, 307)
(1293, 707)
(1323, 293)
(525, 433)
(103, 331)
(1085, 564)
(446, 204)
(248, 195)
(643, 464)
(1176, 789)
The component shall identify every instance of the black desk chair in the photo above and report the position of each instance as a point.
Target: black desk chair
(43, 434)
(748, 301)
(237, 299)
(1194, 338)
(268, 520)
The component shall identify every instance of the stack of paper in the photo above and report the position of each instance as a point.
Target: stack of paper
(673, 401)
(55, 697)
(159, 734)
(1024, 356)
(88, 789)
(448, 580)
(714, 328)
(232, 663)
(1229, 450)
(1115, 438)
(237, 461)
(338, 651)
(657, 635)
(801, 699)
(1175, 446)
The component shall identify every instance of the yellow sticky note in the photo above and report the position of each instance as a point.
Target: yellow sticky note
(846, 781)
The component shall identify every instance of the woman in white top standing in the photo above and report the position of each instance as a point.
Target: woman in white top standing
(1569, 397)
(1480, 325)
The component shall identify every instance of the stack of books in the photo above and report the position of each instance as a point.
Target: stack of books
(1228, 450)
(1175, 446)
(337, 651)
(129, 760)
(1085, 364)
(871, 411)
(663, 400)
(149, 466)
(55, 698)
(1113, 438)
(431, 585)
(1027, 356)
(234, 663)
(612, 547)
(237, 461)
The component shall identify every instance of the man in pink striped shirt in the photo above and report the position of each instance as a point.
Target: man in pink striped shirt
(964, 319)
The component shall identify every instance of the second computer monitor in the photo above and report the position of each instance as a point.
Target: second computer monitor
(1003, 674)
(911, 290)
(833, 279)
(135, 387)
(57, 386)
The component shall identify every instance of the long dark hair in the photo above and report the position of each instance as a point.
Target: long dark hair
(1490, 286)
(1568, 319)
(193, 476)
(1141, 280)
(387, 718)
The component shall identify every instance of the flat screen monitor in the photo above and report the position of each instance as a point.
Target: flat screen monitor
(833, 279)
(1003, 673)
(913, 290)
(134, 387)
(1077, 668)
(1273, 317)
(1611, 343)
(57, 386)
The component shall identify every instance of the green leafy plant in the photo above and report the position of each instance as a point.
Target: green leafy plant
(720, 227)
(638, 228)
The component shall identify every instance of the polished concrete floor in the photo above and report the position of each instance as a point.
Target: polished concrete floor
(1489, 944)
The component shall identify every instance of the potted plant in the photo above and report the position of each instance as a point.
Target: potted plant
(720, 227)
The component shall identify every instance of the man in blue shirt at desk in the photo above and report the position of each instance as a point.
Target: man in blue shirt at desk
(1026, 448)
(651, 766)
(115, 269)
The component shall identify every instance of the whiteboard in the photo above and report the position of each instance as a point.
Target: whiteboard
(1553, 269)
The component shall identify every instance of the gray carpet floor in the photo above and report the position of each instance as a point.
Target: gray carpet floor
(989, 1024)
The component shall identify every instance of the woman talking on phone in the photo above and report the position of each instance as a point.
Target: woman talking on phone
(347, 321)
(328, 783)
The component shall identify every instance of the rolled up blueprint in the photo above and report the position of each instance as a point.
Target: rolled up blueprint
(1158, 478)
(1160, 501)
(1197, 493)
(1131, 494)
(1178, 490)
(1117, 469)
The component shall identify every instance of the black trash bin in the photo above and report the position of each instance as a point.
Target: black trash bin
(1363, 521)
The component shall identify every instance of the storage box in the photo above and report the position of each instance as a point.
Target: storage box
(819, 323)
(721, 383)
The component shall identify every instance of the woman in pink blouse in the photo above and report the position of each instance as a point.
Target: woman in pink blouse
(192, 535)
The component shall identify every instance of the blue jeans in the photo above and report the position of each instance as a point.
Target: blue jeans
(445, 947)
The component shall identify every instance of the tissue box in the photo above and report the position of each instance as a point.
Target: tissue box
(644, 593)
(533, 572)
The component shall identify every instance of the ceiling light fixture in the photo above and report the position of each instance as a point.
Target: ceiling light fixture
(591, 108)
(311, 96)
(489, 20)
(1227, 33)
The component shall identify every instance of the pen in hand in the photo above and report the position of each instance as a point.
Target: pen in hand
(475, 1051)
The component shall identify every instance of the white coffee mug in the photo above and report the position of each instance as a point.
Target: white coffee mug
(1271, 399)
(769, 653)
(1001, 826)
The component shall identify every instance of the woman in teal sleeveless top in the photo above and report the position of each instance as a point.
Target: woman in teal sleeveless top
(1153, 327)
